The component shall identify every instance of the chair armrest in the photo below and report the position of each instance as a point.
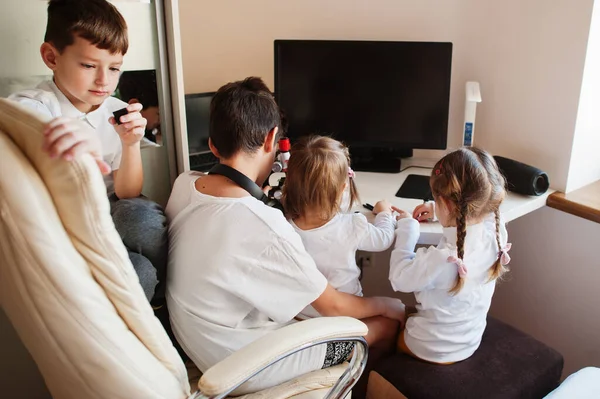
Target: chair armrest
(240, 366)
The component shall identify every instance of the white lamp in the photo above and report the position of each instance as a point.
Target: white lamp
(472, 97)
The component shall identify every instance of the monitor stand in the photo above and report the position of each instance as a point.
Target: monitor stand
(379, 160)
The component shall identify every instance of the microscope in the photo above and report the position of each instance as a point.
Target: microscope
(280, 166)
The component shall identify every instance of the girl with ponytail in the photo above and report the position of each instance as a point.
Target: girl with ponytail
(454, 281)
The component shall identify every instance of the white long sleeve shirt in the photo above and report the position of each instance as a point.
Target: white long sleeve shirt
(333, 247)
(447, 328)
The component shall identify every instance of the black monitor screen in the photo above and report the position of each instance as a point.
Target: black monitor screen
(366, 93)
(197, 111)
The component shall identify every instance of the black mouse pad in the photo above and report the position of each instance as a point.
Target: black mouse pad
(415, 186)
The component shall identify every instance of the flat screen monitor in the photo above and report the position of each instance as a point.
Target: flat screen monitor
(366, 93)
(197, 111)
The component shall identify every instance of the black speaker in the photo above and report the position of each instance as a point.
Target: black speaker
(522, 178)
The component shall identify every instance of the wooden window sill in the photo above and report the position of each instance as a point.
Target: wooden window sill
(584, 202)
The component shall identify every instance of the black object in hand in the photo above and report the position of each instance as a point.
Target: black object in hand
(118, 114)
(368, 206)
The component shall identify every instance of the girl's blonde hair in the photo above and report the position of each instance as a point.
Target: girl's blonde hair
(469, 179)
(317, 171)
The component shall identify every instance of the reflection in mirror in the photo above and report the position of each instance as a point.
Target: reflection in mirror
(197, 113)
(140, 87)
(22, 30)
(13, 84)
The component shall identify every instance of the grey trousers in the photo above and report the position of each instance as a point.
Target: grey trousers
(142, 225)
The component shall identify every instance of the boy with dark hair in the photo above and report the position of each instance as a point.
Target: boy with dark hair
(250, 101)
(237, 268)
(96, 21)
(84, 46)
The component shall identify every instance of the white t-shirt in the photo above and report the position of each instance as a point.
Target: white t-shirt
(333, 247)
(237, 270)
(447, 328)
(47, 99)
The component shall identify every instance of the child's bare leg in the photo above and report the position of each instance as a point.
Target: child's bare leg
(382, 332)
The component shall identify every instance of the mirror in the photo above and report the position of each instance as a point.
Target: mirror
(141, 87)
(22, 28)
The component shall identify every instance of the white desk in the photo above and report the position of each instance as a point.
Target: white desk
(373, 187)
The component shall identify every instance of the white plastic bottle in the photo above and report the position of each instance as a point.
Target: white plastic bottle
(472, 97)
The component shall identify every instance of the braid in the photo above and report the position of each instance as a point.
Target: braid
(470, 181)
(497, 215)
(498, 269)
(461, 233)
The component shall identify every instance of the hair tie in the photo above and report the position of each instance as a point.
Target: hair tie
(438, 171)
(462, 268)
(351, 173)
(503, 254)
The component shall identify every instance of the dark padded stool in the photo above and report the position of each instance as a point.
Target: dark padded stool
(508, 364)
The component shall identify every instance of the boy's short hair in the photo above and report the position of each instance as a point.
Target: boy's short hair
(242, 113)
(97, 21)
(140, 85)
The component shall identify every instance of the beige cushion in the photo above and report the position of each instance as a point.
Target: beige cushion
(66, 282)
(315, 384)
(235, 369)
(317, 394)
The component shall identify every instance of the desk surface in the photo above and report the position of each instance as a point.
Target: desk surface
(373, 187)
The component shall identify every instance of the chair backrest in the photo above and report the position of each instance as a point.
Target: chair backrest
(66, 282)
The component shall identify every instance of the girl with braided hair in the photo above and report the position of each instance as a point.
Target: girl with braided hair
(454, 281)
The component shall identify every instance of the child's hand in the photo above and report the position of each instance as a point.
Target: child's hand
(382, 206)
(401, 214)
(68, 138)
(424, 212)
(393, 308)
(133, 125)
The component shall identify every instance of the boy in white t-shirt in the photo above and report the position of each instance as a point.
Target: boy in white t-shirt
(237, 268)
(84, 45)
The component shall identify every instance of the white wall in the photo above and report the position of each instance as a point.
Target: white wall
(221, 45)
(552, 289)
(585, 164)
(529, 57)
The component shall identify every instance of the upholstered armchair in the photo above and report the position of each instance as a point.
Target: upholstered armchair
(69, 289)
